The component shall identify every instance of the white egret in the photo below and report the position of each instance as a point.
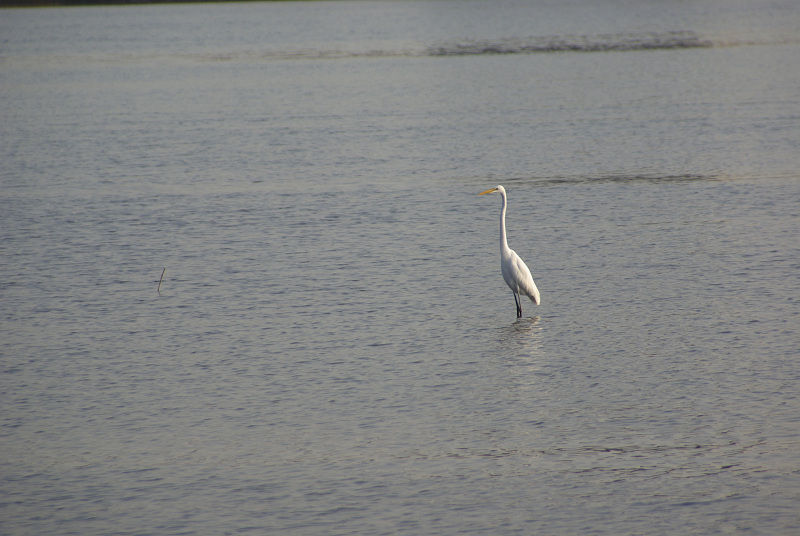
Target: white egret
(515, 272)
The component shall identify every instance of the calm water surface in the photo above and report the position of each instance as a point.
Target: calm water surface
(333, 349)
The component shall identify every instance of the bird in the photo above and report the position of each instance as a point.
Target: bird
(515, 271)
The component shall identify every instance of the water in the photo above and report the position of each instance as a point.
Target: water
(333, 349)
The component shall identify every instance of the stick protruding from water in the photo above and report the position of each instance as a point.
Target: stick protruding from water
(160, 280)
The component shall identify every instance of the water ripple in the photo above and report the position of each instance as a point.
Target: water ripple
(577, 43)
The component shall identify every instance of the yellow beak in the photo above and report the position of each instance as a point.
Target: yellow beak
(490, 190)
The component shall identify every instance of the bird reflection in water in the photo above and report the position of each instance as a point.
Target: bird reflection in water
(522, 337)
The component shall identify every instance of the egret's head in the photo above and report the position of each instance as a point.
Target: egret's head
(497, 188)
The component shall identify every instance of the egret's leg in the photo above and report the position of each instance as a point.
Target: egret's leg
(517, 300)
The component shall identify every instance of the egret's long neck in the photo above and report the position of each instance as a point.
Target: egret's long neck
(503, 241)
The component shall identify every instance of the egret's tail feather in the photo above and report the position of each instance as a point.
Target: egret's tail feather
(534, 296)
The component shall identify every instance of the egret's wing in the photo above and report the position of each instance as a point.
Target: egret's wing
(523, 279)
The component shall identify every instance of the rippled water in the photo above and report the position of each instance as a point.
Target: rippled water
(333, 349)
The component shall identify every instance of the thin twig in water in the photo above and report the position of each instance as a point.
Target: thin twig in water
(162, 279)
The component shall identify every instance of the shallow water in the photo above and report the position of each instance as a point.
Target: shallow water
(333, 349)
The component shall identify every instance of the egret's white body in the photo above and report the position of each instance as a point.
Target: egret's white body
(515, 272)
